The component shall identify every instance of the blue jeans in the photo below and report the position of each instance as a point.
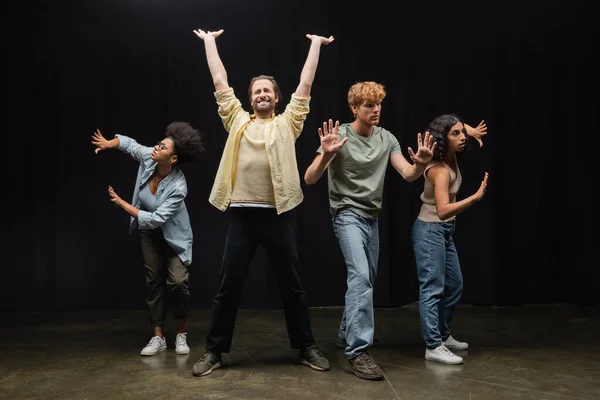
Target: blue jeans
(359, 241)
(440, 278)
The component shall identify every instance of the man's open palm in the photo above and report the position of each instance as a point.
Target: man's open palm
(330, 142)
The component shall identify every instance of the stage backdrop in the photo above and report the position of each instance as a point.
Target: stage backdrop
(530, 71)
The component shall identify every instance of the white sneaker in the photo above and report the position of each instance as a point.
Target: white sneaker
(443, 355)
(181, 346)
(453, 344)
(155, 345)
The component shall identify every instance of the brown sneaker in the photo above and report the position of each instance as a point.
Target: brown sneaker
(365, 367)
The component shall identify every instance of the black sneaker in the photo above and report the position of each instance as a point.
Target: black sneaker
(365, 367)
(340, 343)
(207, 362)
(313, 357)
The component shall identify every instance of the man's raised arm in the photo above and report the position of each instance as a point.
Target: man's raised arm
(215, 65)
(310, 66)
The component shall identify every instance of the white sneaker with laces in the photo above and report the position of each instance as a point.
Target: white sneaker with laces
(453, 344)
(181, 346)
(155, 345)
(443, 355)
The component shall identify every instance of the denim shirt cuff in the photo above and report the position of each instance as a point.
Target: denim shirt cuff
(144, 219)
(124, 142)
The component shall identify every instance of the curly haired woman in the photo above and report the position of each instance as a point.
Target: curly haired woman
(158, 210)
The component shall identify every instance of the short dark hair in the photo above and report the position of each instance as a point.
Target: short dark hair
(187, 141)
(439, 129)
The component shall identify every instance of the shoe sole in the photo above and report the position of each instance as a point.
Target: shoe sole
(456, 347)
(351, 370)
(313, 366)
(182, 352)
(217, 365)
(444, 362)
(153, 354)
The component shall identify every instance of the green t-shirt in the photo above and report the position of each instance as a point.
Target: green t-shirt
(357, 171)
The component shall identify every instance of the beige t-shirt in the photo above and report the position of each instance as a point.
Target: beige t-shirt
(252, 183)
(428, 211)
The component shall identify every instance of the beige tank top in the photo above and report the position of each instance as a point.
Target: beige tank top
(428, 211)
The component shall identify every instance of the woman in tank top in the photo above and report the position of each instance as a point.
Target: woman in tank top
(158, 210)
(438, 267)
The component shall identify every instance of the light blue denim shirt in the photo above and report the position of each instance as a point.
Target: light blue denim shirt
(171, 213)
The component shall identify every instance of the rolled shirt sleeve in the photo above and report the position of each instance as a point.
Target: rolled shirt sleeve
(152, 220)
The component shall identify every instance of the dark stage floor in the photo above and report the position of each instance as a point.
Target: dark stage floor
(533, 352)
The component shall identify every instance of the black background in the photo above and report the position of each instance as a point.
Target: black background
(529, 69)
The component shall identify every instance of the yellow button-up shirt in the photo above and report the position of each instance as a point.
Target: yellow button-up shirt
(281, 133)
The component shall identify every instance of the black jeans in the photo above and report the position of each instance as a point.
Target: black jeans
(167, 279)
(250, 227)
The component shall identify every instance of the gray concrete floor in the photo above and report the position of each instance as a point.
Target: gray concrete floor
(532, 352)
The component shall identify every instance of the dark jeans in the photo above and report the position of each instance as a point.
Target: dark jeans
(167, 279)
(250, 227)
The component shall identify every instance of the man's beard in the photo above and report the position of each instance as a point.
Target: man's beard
(264, 106)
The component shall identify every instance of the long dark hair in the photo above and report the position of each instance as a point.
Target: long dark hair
(439, 129)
